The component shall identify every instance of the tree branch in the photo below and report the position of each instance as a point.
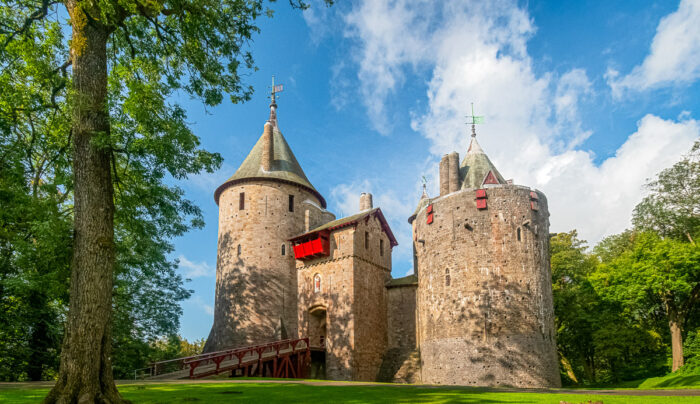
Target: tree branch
(35, 16)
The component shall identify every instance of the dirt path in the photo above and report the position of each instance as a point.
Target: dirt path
(617, 392)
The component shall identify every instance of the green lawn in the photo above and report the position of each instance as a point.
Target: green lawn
(670, 381)
(300, 393)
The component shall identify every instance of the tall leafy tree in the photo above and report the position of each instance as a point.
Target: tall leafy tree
(575, 304)
(655, 277)
(125, 58)
(672, 209)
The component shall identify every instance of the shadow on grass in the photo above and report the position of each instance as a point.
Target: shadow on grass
(672, 381)
(269, 393)
(299, 393)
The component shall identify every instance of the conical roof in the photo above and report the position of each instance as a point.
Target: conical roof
(284, 168)
(476, 167)
(423, 202)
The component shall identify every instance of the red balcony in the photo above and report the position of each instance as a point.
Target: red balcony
(317, 245)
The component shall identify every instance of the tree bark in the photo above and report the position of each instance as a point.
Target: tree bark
(39, 340)
(85, 374)
(675, 324)
(568, 368)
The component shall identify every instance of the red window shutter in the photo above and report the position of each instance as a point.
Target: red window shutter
(534, 205)
(480, 193)
(481, 203)
(298, 251)
(430, 208)
(430, 218)
(533, 196)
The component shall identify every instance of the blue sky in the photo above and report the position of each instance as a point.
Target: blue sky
(583, 100)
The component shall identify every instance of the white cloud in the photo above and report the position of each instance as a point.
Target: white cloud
(207, 308)
(674, 56)
(194, 269)
(598, 200)
(476, 51)
(316, 18)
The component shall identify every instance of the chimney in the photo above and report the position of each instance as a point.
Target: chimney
(268, 151)
(444, 175)
(453, 176)
(365, 201)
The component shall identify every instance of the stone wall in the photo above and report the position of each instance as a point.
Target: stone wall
(372, 271)
(256, 289)
(401, 316)
(352, 291)
(485, 312)
(335, 298)
(401, 361)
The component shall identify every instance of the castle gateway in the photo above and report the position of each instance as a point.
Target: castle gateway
(478, 310)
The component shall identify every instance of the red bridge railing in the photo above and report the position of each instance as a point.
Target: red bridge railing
(282, 359)
(286, 358)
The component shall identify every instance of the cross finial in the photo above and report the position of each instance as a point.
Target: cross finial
(475, 120)
(274, 89)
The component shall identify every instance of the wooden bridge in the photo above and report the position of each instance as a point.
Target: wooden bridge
(282, 359)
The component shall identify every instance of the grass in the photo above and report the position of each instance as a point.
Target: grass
(674, 381)
(669, 381)
(252, 392)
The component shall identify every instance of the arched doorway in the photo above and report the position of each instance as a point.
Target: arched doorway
(317, 339)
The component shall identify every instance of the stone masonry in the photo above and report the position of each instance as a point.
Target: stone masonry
(485, 313)
(478, 311)
(352, 280)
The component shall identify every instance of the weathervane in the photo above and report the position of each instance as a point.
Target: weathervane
(274, 89)
(475, 120)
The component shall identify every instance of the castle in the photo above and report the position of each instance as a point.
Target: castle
(478, 310)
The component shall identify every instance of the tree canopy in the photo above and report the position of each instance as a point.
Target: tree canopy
(672, 209)
(90, 136)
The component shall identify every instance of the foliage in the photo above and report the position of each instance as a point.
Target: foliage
(596, 341)
(653, 274)
(132, 354)
(573, 300)
(673, 207)
(154, 49)
(35, 219)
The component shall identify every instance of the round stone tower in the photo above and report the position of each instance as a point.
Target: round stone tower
(267, 201)
(485, 311)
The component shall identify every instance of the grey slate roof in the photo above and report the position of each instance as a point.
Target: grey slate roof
(476, 166)
(285, 167)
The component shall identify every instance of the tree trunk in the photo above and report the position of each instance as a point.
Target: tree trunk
(568, 368)
(39, 339)
(675, 324)
(85, 374)
(588, 370)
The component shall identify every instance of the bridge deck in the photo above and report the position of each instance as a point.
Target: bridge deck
(286, 358)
